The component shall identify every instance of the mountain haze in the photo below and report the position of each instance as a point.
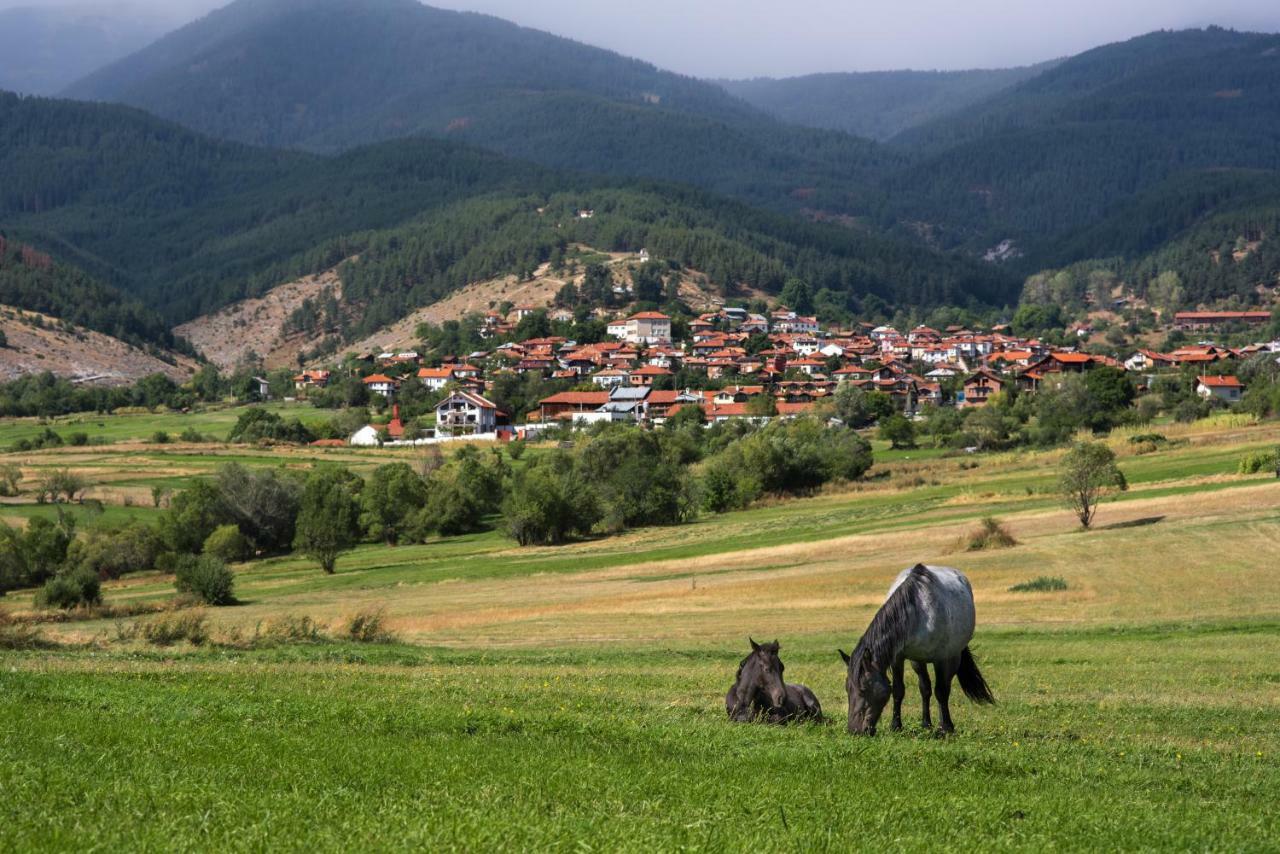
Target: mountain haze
(876, 104)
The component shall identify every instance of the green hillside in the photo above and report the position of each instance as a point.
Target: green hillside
(1063, 150)
(188, 224)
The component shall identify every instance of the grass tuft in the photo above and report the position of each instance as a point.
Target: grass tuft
(990, 534)
(167, 630)
(1043, 584)
(368, 627)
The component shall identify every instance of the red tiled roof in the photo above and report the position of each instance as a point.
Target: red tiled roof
(1221, 382)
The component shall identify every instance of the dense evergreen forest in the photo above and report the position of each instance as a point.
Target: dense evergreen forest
(31, 280)
(189, 224)
(1059, 152)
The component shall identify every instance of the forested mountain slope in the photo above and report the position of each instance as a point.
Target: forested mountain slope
(1059, 152)
(326, 75)
(189, 224)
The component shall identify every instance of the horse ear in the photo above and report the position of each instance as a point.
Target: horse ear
(843, 655)
(754, 646)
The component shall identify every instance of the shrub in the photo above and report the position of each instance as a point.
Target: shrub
(1043, 584)
(368, 627)
(79, 439)
(228, 544)
(516, 448)
(111, 554)
(160, 437)
(191, 435)
(70, 589)
(207, 578)
(1258, 461)
(991, 534)
(168, 629)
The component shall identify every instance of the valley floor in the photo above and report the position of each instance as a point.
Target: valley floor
(573, 697)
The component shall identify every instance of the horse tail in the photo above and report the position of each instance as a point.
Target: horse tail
(971, 681)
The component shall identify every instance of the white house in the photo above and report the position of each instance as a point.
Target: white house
(1223, 388)
(380, 384)
(617, 329)
(435, 378)
(465, 413)
(611, 378)
(648, 327)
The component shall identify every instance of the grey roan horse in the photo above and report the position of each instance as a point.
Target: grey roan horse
(928, 618)
(759, 692)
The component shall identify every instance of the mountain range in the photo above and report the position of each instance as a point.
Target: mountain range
(276, 138)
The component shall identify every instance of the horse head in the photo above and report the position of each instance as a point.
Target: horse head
(764, 673)
(868, 689)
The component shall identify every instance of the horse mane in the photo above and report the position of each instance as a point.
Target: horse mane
(891, 624)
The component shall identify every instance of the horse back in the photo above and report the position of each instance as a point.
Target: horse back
(945, 616)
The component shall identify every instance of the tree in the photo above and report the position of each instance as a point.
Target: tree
(192, 516)
(227, 544)
(393, 496)
(762, 406)
(10, 477)
(546, 504)
(898, 431)
(262, 502)
(1086, 472)
(328, 523)
(797, 296)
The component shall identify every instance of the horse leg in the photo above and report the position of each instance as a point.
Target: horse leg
(943, 672)
(926, 692)
(899, 691)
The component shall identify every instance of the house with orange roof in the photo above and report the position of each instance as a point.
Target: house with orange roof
(1228, 389)
(381, 384)
(980, 386)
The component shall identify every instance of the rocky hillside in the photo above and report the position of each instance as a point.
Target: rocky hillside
(37, 342)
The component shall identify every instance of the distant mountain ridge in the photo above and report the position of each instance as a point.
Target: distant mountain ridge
(876, 104)
(395, 68)
(44, 49)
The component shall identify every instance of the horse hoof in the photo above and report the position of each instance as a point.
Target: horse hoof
(896, 726)
(945, 732)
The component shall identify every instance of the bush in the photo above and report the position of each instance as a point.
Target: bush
(70, 589)
(991, 534)
(169, 629)
(228, 544)
(207, 578)
(111, 554)
(368, 627)
(516, 449)
(160, 437)
(192, 436)
(1043, 584)
(1258, 461)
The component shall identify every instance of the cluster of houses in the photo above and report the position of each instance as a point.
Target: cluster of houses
(786, 356)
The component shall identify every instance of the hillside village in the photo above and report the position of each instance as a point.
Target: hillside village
(734, 363)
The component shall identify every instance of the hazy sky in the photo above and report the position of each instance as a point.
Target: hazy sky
(743, 38)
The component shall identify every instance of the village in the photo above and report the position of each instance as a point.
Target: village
(746, 365)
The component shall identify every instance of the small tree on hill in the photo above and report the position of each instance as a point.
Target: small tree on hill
(898, 431)
(329, 521)
(1087, 471)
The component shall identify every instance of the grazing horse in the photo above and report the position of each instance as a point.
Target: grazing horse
(927, 618)
(759, 692)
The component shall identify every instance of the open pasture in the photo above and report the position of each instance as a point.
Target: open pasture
(572, 697)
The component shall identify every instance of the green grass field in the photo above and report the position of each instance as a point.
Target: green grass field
(572, 697)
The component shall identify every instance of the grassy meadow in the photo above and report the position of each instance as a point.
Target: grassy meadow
(572, 697)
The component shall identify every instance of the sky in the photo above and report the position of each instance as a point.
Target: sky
(749, 38)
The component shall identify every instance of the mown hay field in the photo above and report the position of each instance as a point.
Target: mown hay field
(573, 697)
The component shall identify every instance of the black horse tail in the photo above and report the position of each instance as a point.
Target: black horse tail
(971, 681)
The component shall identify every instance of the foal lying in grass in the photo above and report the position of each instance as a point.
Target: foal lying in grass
(760, 694)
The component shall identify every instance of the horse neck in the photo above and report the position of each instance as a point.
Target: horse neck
(747, 686)
(886, 637)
